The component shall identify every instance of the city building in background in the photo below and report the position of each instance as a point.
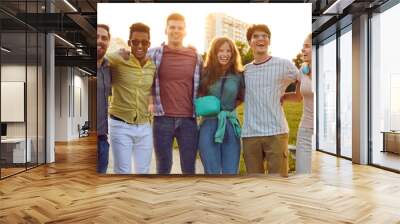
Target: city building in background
(220, 24)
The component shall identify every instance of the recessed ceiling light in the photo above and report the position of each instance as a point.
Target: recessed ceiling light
(5, 50)
(64, 40)
(70, 5)
(86, 72)
(338, 6)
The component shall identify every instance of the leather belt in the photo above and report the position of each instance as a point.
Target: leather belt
(118, 119)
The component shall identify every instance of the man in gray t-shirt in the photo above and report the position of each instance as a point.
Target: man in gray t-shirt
(265, 130)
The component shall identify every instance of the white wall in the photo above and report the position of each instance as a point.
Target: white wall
(15, 73)
(81, 83)
(69, 85)
(61, 103)
(33, 127)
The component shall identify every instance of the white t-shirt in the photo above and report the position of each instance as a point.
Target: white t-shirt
(306, 89)
(265, 83)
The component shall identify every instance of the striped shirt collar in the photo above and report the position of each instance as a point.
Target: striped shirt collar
(260, 63)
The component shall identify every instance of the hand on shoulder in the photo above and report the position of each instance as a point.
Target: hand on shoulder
(124, 53)
(192, 48)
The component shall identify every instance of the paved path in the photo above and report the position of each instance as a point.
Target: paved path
(176, 166)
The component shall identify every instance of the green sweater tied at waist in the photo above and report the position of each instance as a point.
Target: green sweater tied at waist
(223, 116)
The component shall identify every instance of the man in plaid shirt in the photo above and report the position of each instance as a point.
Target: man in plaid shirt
(175, 88)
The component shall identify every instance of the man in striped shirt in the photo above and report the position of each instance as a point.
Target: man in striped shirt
(265, 130)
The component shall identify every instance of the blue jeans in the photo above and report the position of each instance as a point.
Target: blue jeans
(165, 129)
(219, 157)
(102, 153)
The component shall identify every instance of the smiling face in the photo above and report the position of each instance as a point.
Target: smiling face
(103, 41)
(139, 43)
(259, 42)
(307, 50)
(175, 31)
(224, 55)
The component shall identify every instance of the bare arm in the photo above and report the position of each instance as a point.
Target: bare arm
(124, 53)
(151, 104)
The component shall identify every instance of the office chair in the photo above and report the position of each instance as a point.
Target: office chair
(84, 130)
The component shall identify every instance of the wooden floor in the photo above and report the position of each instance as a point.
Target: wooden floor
(387, 159)
(70, 191)
(10, 171)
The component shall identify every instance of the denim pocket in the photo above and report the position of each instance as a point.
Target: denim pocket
(116, 124)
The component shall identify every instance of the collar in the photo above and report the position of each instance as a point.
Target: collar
(137, 63)
(105, 63)
(265, 61)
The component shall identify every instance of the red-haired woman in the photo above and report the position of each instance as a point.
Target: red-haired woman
(219, 137)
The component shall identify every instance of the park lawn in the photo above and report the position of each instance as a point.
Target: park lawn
(293, 112)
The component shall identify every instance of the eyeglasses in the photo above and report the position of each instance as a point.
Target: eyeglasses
(137, 42)
(262, 36)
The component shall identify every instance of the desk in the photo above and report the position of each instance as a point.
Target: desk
(15, 148)
(391, 141)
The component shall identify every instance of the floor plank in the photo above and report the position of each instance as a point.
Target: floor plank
(70, 191)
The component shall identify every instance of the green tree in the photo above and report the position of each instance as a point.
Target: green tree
(204, 56)
(116, 44)
(242, 47)
(298, 60)
(245, 52)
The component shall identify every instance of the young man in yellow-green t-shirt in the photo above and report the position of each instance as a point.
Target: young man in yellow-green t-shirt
(130, 110)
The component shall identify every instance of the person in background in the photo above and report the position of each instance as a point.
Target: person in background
(219, 136)
(304, 92)
(103, 92)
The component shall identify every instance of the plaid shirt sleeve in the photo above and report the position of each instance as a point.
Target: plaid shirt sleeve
(156, 55)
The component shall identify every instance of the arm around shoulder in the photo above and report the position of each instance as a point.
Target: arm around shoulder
(292, 72)
(294, 97)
